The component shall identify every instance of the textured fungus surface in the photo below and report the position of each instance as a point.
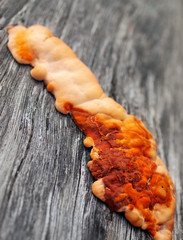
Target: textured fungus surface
(124, 157)
(131, 178)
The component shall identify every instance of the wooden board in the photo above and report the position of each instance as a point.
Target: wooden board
(135, 50)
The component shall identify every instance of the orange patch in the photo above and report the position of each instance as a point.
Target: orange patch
(50, 87)
(68, 106)
(22, 47)
(128, 174)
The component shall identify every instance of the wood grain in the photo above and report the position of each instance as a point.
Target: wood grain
(135, 50)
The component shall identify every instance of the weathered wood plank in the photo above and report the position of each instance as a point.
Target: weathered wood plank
(135, 50)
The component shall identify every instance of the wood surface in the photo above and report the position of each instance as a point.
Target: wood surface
(135, 48)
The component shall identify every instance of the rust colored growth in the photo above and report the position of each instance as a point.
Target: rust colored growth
(68, 106)
(86, 122)
(130, 175)
(127, 172)
(22, 49)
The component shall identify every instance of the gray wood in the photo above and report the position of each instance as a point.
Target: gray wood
(135, 49)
